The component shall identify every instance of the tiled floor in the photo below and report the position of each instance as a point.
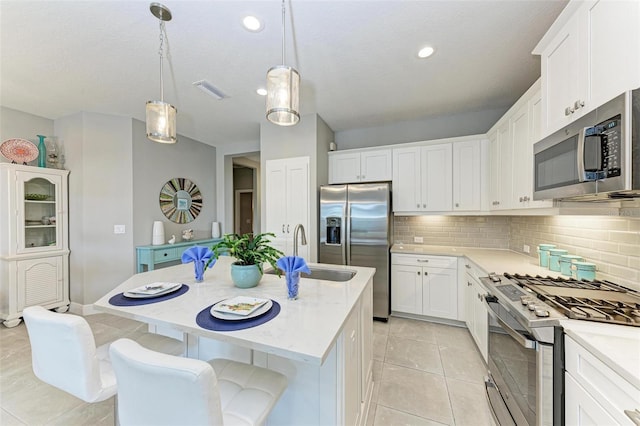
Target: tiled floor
(424, 373)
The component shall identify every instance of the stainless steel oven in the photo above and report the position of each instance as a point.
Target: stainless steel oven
(521, 371)
(524, 382)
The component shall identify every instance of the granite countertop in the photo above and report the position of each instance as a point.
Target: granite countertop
(489, 260)
(304, 330)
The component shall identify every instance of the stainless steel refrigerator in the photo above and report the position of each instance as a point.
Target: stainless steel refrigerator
(356, 228)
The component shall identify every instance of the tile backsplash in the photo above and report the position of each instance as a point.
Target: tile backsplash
(612, 243)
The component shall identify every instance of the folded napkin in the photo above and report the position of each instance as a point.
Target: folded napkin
(199, 256)
(292, 266)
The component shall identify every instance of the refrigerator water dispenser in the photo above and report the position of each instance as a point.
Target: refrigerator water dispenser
(333, 230)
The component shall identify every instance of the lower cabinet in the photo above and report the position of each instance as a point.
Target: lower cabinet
(37, 281)
(424, 285)
(594, 393)
(476, 315)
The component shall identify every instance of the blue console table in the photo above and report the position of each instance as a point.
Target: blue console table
(153, 255)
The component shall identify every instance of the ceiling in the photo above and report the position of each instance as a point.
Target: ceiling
(357, 59)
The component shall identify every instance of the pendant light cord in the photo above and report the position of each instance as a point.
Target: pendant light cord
(282, 32)
(160, 52)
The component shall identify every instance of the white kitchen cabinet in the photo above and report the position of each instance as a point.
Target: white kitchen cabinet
(511, 144)
(594, 393)
(423, 178)
(589, 56)
(360, 166)
(424, 285)
(34, 248)
(476, 315)
(501, 173)
(469, 171)
(287, 201)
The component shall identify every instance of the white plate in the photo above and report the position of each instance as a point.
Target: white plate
(235, 317)
(239, 305)
(152, 290)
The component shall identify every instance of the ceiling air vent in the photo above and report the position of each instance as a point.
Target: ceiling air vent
(210, 89)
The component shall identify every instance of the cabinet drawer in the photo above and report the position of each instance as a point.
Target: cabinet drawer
(166, 255)
(608, 388)
(423, 260)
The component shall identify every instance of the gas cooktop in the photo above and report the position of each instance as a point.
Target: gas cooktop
(601, 301)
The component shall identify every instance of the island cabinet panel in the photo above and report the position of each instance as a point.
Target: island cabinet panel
(34, 243)
(424, 285)
(287, 201)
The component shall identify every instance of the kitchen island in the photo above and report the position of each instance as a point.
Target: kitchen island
(322, 342)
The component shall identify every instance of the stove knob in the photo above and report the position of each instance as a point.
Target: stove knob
(542, 313)
(525, 300)
(532, 306)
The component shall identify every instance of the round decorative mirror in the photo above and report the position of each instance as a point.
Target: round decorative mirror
(180, 200)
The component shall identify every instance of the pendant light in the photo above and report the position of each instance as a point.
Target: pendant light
(161, 116)
(283, 90)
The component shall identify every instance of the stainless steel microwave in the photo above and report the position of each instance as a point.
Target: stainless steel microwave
(595, 158)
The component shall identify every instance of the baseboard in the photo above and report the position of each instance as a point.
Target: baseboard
(84, 310)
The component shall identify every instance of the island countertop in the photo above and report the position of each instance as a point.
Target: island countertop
(304, 330)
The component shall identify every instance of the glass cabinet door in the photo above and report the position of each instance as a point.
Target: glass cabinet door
(38, 212)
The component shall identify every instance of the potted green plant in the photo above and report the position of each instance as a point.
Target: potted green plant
(251, 251)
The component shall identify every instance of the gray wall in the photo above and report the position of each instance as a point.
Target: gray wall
(18, 124)
(446, 126)
(154, 165)
(98, 154)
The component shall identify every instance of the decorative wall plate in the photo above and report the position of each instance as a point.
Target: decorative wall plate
(19, 151)
(180, 200)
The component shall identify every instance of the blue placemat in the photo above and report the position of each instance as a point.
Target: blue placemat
(121, 300)
(205, 320)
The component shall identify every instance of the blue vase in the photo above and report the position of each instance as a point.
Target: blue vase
(245, 276)
(42, 152)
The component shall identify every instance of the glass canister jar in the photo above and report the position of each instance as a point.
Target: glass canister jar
(565, 263)
(543, 254)
(583, 271)
(554, 258)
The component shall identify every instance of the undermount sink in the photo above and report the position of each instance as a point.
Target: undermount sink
(338, 275)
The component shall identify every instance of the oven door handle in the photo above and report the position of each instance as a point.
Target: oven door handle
(522, 340)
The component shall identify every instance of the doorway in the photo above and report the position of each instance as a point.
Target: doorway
(243, 211)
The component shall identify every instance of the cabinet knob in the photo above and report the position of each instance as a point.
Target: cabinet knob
(418, 272)
(287, 228)
(457, 205)
(568, 111)
(578, 104)
(468, 284)
(362, 177)
(526, 198)
(480, 297)
(424, 206)
(165, 254)
(521, 199)
(423, 260)
(466, 265)
(418, 205)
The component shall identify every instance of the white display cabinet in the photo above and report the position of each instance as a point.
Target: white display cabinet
(34, 242)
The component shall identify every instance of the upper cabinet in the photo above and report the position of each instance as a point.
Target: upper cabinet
(360, 166)
(590, 55)
(440, 177)
(511, 144)
(422, 178)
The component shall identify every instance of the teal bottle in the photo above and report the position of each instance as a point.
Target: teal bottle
(42, 152)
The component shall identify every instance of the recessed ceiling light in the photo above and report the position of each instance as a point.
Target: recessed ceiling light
(425, 52)
(252, 23)
(262, 91)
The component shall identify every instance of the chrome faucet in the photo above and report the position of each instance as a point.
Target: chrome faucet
(303, 239)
